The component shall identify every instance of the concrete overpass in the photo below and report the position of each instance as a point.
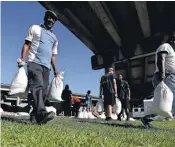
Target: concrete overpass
(116, 30)
(124, 34)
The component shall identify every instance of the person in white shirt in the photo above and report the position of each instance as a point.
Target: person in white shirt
(165, 70)
(39, 51)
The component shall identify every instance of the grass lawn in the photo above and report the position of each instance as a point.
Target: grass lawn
(66, 132)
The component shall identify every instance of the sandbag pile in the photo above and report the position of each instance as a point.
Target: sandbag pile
(83, 114)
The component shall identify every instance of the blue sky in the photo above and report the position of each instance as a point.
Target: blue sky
(74, 57)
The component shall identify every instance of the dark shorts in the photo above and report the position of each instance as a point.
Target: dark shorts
(109, 99)
(125, 103)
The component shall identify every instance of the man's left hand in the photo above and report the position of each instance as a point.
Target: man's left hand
(20, 62)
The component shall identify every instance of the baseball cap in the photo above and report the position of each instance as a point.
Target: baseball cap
(48, 12)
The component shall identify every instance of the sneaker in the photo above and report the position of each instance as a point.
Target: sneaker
(131, 119)
(146, 122)
(32, 119)
(32, 116)
(45, 117)
(71, 116)
(127, 119)
(119, 118)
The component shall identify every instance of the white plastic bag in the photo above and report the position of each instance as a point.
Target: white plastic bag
(117, 107)
(162, 101)
(99, 106)
(51, 109)
(56, 88)
(19, 82)
(102, 116)
(1, 110)
(90, 115)
(85, 114)
(114, 116)
(80, 113)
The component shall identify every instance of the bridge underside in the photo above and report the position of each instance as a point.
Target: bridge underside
(125, 34)
(125, 28)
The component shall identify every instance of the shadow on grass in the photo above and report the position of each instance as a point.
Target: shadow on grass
(17, 119)
(111, 123)
(26, 120)
(125, 125)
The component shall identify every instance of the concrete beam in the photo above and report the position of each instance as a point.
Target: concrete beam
(78, 23)
(136, 57)
(106, 21)
(120, 55)
(142, 12)
(138, 50)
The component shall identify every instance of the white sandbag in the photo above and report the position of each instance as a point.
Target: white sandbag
(90, 115)
(117, 107)
(19, 82)
(99, 106)
(80, 114)
(102, 116)
(85, 114)
(56, 88)
(1, 110)
(81, 109)
(114, 116)
(51, 109)
(162, 101)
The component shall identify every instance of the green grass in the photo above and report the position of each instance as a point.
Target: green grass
(66, 132)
